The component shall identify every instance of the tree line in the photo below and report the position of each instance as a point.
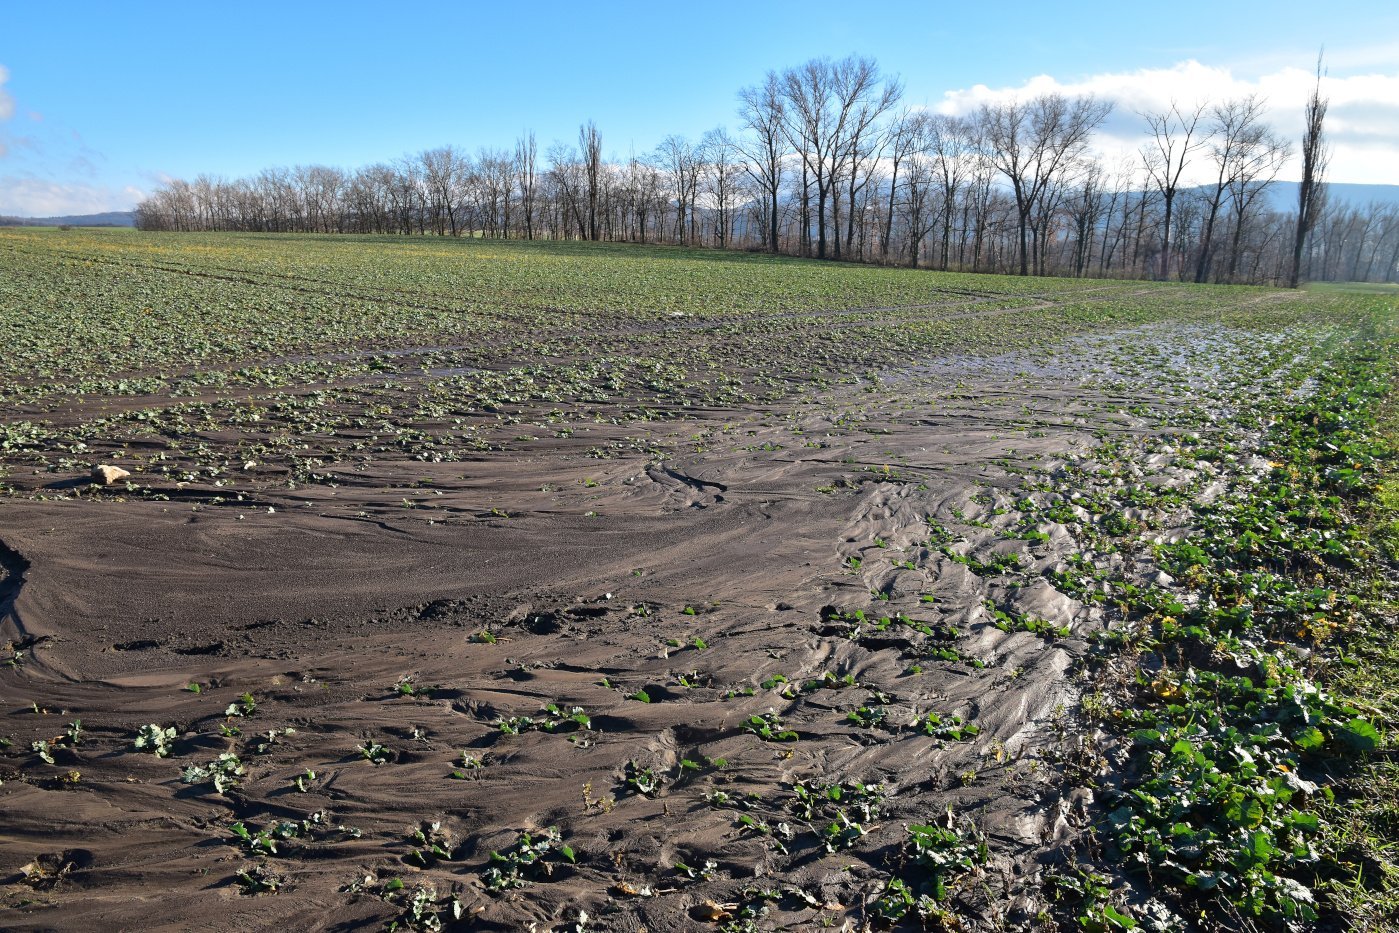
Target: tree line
(827, 161)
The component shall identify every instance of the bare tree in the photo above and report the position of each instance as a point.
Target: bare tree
(906, 137)
(1031, 143)
(952, 144)
(1086, 208)
(761, 110)
(920, 188)
(825, 101)
(590, 144)
(719, 158)
(863, 146)
(1311, 193)
(526, 169)
(1237, 133)
(678, 155)
(822, 152)
(1176, 137)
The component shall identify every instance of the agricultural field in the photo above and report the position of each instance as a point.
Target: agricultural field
(507, 585)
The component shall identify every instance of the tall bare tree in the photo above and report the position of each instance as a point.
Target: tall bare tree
(825, 101)
(1258, 167)
(1311, 193)
(951, 142)
(906, 139)
(864, 143)
(719, 161)
(1176, 137)
(765, 151)
(1030, 143)
(590, 145)
(1237, 134)
(526, 169)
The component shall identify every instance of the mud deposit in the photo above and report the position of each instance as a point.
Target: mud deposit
(665, 637)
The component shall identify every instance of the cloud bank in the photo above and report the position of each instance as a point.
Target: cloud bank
(39, 168)
(28, 196)
(7, 103)
(1362, 124)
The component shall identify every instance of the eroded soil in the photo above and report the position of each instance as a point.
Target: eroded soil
(716, 571)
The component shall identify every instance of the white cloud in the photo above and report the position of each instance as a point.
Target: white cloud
(28, 196)
(1362, 123)
(40, 169)
(7, 103)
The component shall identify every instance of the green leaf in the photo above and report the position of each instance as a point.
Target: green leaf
(1309, 738)
(1360, 735)
(1118, 919)
(1259, 848)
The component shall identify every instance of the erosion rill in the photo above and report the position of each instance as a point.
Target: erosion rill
(575, 585)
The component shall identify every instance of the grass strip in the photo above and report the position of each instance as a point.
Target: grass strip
(1257, 791)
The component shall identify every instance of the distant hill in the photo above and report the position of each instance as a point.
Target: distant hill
(1282, 195)
(109, 219)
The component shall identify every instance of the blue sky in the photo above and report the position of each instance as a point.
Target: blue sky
(98, 101)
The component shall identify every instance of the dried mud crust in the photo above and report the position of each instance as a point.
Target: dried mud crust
(773, 605)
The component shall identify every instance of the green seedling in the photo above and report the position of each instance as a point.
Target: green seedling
(156, 739)
(556, 718)
(531, 857)
(946, 727)
(469, 765)
(702, 873)
(223, 773)
(270, 738)
(259, 879)
(244, 706)
(430, 845)
(374, 753)
(639, 780)
(869, 717)
(769, 728)
(775, 834)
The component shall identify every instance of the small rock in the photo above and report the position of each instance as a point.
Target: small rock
(107, 475)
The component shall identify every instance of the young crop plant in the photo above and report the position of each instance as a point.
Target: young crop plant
(429, 845)
(258, 879)
(222, 773)
(934, 859)
(244, 706)
(869, 717)
(468, 766)
(156, 739)
(555, 718)
(642, 781)
(1233, 741)
(946, 727)
(1009, 621)
(769, 728)
(70, 738)
(264, 841)
(776, 835)
(703, 872)
(1095, 906)
(374, 753)
(843, 811)
(406, 686)
(531, 857)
